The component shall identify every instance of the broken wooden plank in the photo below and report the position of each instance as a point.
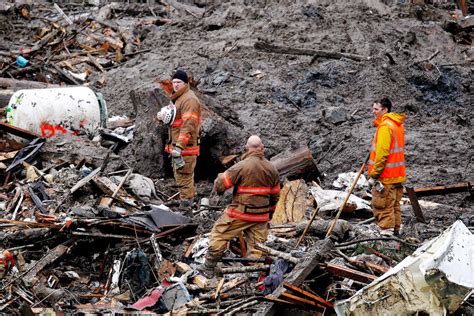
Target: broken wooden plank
(84, 180)
(232, 284)
(444, 189)
(20, 132)
(298, 299)
(308, 294)
(269, 48)
(52, 256)
(415, 205)
(349, 273)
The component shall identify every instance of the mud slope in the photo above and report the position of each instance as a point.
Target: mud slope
(326, 104)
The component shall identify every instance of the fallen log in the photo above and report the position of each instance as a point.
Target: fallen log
(269, 48)
(277, 253)
(296, 164)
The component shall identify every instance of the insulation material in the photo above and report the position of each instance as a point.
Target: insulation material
(434, 280)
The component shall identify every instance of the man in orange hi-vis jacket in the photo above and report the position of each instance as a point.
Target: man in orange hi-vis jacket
(256, 189)
(184, 137)
(387, 167)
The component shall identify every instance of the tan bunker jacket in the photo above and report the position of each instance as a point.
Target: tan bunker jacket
(256, 186)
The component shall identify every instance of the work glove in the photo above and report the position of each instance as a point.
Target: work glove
(176, 152)
(375, 183)
(371, 183)
(177, 157)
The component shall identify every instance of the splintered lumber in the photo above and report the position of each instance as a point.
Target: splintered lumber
(372, 266)
(232, 284)
(201, 281)
(182, 267)
(291, 205)
(219, 287)
(296, 164)
(299, 273)
(84, 180)
(264, 267)
(237, 304)
(242, 307)
(298, 299)
(52, 256)
(308, 294)
(415, 205)
(107, 186)
(444, 189)
(277, 253)
(349, 273)
(269, 48)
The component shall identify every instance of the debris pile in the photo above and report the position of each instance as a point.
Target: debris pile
(89, 221)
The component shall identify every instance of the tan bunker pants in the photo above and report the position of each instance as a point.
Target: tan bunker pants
(386, 206)
(227, 227)
(185, 178)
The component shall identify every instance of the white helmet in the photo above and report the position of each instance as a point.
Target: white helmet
(167, 114)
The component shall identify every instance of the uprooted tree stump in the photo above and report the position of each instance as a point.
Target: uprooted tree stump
(218, 136)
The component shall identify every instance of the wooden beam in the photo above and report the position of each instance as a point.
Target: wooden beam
(52, 256)
(20, 132)
(349, 273)
(444, 189)
(298, 299)
(308, 294)
(415, 205)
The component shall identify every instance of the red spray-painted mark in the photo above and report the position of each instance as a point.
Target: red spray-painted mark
(48, 130)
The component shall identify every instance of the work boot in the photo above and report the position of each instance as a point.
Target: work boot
(386, 232)
(185, 206)
(208, 268)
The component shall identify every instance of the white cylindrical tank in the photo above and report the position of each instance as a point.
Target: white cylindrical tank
(57, 111)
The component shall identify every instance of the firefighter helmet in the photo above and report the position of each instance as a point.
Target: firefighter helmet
(167, 114)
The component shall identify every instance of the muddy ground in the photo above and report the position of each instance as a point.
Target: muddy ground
(290, 100)
(326, 104)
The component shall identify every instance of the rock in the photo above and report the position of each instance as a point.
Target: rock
(335, 115)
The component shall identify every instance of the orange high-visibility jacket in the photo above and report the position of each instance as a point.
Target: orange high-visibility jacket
(387, 153)
(184, 130)
(256, 184)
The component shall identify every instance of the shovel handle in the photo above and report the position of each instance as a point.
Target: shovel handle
(331, 228)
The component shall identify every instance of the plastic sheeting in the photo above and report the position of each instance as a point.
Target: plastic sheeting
(332, 199)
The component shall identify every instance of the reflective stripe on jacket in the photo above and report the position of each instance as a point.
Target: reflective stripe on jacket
(256, 186)
(387, 152)
(184, 130)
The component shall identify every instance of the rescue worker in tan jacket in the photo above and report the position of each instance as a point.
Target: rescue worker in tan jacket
(183, 145)
(386, 168)
(256, 188)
